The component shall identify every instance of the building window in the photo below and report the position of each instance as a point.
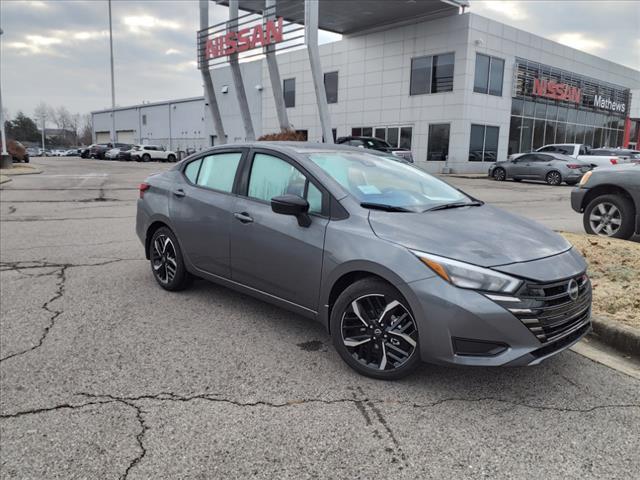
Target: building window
(438, 147)
(331, 86)
(432, 74)
(489, 74)
(483, 146)
(144, 119)
(289, 92)
(304, 134)
(394, 136)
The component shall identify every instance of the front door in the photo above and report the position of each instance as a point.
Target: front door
(271, 252)
(201, 210)
(521, 166)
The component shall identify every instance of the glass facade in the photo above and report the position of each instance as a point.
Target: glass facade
(571, 116)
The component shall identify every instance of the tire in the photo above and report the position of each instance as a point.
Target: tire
(571, 184)
(146, 157)
(26, 160)
(171, 158)
(375, 351)
(499, 174)
(553, 178)
(167, 264)
(609, 216)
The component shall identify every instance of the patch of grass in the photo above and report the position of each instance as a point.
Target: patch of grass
(614, 268)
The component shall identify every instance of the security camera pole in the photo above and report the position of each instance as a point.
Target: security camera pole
(5, 160)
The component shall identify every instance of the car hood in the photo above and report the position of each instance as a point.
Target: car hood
(484, 235)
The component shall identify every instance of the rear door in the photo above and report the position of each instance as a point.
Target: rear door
(200, 209)
(539, 166)
(271, 252)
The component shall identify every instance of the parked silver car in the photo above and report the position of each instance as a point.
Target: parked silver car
(396, 264)
(553, 168)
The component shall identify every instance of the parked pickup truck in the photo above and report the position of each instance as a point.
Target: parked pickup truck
(579, 151)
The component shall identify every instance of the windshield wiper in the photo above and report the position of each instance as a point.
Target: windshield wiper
(445, 206)
(385, 207)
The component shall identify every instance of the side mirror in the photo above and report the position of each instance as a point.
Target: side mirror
(292, 205)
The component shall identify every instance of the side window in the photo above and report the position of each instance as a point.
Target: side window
(272, 176)
(583, 151)
(547, 149)
(191, 170)
(218, 171)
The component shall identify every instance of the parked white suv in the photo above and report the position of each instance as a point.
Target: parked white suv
(579, 151)
(146, 153)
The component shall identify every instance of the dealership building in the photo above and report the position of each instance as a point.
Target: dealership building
(458, 89)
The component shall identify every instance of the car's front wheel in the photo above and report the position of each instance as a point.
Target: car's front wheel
(374, 331)
(166, 259)
(610, 216)
(146, 157)
(500, 174)
(171, 158)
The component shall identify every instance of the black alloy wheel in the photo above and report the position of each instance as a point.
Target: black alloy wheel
(166, 260)
(146, 157)
(554, 178)
(374, 331)
(499, 174)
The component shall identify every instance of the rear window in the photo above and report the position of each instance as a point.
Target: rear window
(219, 171)
(191, 170)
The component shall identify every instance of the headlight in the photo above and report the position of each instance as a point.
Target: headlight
(465, 275)
(585, 178)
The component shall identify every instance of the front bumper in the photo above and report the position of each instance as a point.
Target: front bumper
(577, 198)
(465, 327)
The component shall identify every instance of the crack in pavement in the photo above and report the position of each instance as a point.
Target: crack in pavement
(61, 272)
(130, 401)
(24, 220)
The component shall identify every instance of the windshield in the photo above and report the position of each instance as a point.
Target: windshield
(374, 179)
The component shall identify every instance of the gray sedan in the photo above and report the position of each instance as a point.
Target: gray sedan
(553, 168)
(396, 264)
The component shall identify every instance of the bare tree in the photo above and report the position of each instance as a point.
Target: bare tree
(86, 135)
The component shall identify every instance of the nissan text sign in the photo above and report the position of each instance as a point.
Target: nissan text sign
(556, 90)
(245, 39)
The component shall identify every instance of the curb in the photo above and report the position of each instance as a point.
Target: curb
(621, 337)
(21, 170)
(4, 179)
(464, 175)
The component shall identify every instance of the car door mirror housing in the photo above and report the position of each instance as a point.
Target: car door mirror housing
(292, 205)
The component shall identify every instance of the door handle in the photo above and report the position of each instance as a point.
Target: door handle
(244, 217)
(179, 192)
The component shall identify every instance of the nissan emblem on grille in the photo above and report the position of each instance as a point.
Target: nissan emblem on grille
(572, 289)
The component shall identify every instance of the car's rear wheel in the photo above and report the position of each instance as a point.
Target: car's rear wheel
(609, 216)
(500, 174)
(171, 158)
(554, 178)
(146, 157)
(166, 259)
(374, 331)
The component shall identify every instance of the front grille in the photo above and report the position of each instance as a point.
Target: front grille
(548, 310)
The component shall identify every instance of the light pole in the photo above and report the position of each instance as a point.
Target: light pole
(113, 91)
(5, 159)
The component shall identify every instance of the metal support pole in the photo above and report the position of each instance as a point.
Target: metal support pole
(113, 88)
(311, 37)
(210, 94)
(5, 159)
(237, 76)
(274, 73)
(43, 135)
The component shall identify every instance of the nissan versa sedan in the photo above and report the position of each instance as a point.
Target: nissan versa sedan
(399, 266)
(553, 168)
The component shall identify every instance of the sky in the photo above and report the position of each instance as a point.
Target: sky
(57, 51)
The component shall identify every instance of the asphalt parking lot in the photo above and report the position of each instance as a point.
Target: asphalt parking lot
(105, 375)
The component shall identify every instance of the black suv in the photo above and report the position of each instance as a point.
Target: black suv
(376, 144)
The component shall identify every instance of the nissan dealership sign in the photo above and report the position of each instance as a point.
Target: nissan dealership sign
(245, 39)
(535, 80)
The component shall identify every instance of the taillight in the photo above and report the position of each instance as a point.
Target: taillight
(143, 188)
(574, 165)
(614, 161)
